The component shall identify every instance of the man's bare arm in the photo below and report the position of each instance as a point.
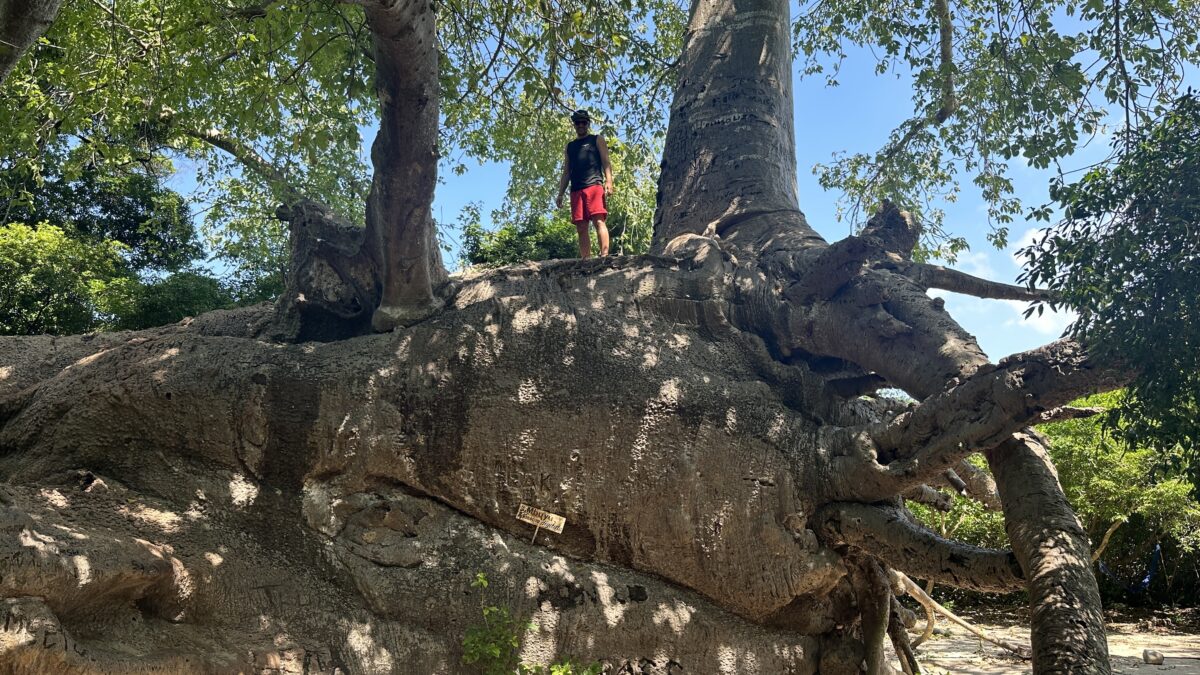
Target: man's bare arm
(603, 148)
(562, 181)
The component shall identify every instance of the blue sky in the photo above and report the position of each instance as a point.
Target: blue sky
(857, 117)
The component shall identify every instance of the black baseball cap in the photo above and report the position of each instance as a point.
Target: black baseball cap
(581, 116)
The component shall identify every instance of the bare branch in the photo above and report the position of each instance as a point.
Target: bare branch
(932, 605)
(247, 156)
(1067, 625)
(891, 536)
(980, 484)
(936, 276)
(1069, 412)
(987, 409)
(924, 494)
(1107, 536)
(955, 482)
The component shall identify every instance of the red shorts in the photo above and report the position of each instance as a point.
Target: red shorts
(587, 204)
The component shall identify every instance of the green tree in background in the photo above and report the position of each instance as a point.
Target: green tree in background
(1126, 257)
(163, 301)
(152, 223)
(538, 237)
(95, 251)
(1127, 498)
(1027, 82)
(57, 283)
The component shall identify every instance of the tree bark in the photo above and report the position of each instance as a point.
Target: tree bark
(730, 153)
(405, 155)
(1068, 625)
(22, 22)
(692, 414)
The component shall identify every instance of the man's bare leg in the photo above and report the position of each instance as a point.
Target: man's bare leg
(602, 235)
(585, 241)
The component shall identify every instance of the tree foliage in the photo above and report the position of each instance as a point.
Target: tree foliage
(537, 238)
(1127, 259)
(1108, 483)
(57, 283)
(152, 223)
(995, 82)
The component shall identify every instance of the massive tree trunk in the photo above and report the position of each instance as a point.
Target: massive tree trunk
(203, 497)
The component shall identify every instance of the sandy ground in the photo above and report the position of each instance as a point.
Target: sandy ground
(961, 652)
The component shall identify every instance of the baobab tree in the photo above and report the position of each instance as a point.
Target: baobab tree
(312, 486)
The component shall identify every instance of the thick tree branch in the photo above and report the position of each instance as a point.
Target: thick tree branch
(979, 483)
(924, 494)
(873, 593)
(900, 642)
(889, 535)
(1067, 624)
(889, 237)
(955, 483)
(1069, 412)
(946, 279)
(22, 22)
(987, 408)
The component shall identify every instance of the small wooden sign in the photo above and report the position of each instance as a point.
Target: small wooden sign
(541, 519)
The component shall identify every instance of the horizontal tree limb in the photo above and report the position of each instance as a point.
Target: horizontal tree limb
(955, 482)
(889, 535)
(1069, 412)
(980, 485)
(946, 279)
(924, 494)
(986, 409)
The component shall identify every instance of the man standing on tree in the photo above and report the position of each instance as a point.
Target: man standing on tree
(586, 167)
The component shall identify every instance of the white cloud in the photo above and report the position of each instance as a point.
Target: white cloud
(1025, 240)
(976, 263)
(1049, 323)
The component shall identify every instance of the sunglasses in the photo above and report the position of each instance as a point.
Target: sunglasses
(583, 122)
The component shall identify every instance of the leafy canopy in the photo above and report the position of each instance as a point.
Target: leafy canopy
(993, 82)
(1126, 257)
(270, 100)
(56, 283)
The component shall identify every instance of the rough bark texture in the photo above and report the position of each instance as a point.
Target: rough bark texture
(730, 151)
(236, 493)
(1053, 549)
(22, 22)
(399, 208)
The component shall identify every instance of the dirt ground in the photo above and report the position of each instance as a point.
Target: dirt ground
(1174, 633)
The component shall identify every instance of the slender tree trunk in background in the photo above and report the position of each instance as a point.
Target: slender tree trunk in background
(1068, 624)
(22, 22)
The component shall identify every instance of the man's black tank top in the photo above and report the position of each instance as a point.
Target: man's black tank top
(583, 163)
